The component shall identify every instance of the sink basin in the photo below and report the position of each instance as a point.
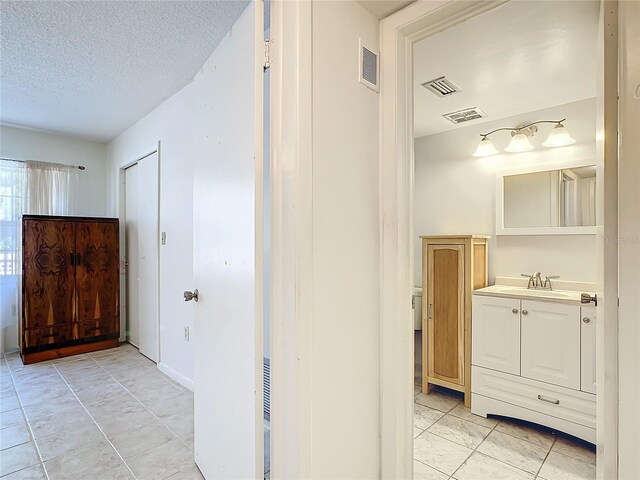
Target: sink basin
(533, 293)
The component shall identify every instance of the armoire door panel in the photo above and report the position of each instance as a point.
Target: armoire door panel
(55, 335)
(445, 312)
(97, 272)
(48, 273)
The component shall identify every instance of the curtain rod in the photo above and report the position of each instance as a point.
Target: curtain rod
(79, 167)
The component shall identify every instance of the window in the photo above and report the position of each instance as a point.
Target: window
(12, 201)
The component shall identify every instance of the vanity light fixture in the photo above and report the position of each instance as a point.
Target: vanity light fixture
(559, 137)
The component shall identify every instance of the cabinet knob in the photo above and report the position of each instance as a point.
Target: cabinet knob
(586, 320)
(525, 312)
(515, 310)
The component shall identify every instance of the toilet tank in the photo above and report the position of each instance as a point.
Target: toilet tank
(417, 308)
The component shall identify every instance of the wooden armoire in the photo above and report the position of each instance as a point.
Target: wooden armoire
(70, 299)
(452, 267)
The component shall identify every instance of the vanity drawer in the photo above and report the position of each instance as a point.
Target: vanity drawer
(564, 403)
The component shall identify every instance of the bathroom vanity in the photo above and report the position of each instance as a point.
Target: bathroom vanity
(533, 358)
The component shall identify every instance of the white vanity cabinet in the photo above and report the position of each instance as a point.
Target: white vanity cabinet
(495, 335)
(534, 359)
(551, 343)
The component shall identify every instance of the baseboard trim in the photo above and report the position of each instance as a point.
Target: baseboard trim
(178, 377)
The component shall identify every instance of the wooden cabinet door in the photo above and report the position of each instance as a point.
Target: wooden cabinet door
(551, 343)
(445, 312)
(588, 349)
(98, 279)
(495, 333)
(48, 274)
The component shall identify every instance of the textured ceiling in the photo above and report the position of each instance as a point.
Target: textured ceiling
(384, 8)
(520, 57)
(93, 68)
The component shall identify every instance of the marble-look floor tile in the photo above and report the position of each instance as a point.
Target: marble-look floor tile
(424, 417)
(562, 467)
(460, 431)
(79, 363)
(417, 431)
(514, 451)
(181, 423)
(481, 467)
(416, 389)
(11, 418)
(163, 407)
(111, 404)
(72, 358)
(15, 435)
(136, 441)
(34, 472)
(6, 387)
(9, 403)
(439, 453)
(161, 391)
(576, 448)
(527, 431)
(135, 416)
(463, 412)
(425, 472)
(189, 473)
(161, 462)
(87, 371)
(64, 441)
(438, 400)
(47, 396)
(60, 424)
(17, 458)
(95, 460)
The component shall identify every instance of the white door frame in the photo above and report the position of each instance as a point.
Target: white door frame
(398, 33)
(121, 208)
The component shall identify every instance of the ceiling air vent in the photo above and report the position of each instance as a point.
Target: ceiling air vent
(442, 87)
(465, 115)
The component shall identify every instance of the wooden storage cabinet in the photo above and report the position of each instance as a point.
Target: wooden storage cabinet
(70, 286)
(452, 267)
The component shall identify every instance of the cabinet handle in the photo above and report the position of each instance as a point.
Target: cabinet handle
(72, 258)
(586, 320)
(514, 311)
(78, 259)
(555, 402)
(525, 312)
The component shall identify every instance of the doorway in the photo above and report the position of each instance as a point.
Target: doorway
(401, 33)
(142, 255)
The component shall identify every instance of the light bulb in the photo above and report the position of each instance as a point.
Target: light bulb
(559, 137)
(485, 148)
(519, 143)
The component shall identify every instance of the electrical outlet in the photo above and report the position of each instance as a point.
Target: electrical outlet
(164, 238)
(186, 333)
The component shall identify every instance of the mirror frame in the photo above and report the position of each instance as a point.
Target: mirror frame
(502, 230)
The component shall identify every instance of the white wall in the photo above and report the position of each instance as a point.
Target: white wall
(346, 313)
(87, 195)
(173, 124)
(455, 193)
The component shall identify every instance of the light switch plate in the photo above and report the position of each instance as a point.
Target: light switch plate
(164, 238)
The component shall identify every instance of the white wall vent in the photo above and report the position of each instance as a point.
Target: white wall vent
(465, 115)
(369, 67)
(266, 377)
(441, 86)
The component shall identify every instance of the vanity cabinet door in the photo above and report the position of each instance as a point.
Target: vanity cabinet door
(495, 333)
(551, 343)
(588, 349)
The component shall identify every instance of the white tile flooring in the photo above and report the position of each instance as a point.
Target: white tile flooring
(100, 416)
(452, 443)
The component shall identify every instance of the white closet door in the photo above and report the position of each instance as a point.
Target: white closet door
(131, 242)
(148, 264)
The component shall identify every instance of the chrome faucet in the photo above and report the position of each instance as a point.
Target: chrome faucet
(535, 281)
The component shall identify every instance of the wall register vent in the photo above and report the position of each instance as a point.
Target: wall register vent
(369, 68)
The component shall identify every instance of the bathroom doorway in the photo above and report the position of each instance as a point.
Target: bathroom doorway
(461, 197)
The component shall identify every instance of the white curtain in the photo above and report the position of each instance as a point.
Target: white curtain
(34, 188)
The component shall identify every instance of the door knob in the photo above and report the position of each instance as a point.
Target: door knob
(188, 296)
(586, 298)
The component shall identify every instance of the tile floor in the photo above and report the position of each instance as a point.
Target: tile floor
(452, 443)
(100, 416)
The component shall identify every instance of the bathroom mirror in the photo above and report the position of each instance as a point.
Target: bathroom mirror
(547, 201)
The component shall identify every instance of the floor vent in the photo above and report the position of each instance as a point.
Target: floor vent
(442, 86)
(266, 373)
(465, 115)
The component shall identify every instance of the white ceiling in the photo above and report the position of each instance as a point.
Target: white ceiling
(93, 68)
(384, 8)
(517, 58)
